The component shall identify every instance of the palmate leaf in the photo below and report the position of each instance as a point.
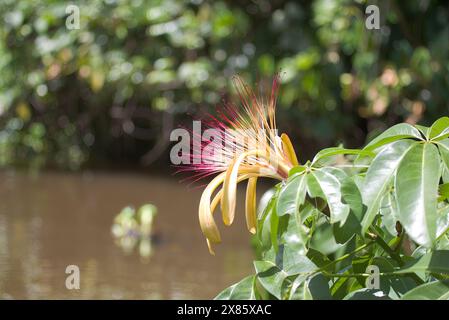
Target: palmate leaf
(437, 290)
(323, 239)
(275, 277)
(332, 185)
(416, 189)
(271, 277)
(329, 180)
(397, 132)
(312, 288)
(292, 195)
(389, 212)
(242, 290)
(352, 224)
(380, 176)
(328, 152)
(296, 234)
(439, 129)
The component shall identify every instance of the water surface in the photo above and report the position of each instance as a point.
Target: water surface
(52, 219)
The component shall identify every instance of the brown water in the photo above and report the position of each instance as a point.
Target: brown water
(53, 220)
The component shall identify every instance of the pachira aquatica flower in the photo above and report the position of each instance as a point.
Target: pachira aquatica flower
(245, 146)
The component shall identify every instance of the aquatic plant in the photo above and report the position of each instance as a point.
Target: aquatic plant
(132, 228)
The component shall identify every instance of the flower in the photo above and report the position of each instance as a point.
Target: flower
(252, 149)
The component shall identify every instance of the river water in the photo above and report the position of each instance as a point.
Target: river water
(51, 220)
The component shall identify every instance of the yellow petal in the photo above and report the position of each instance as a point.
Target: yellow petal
(209, 246)
(207, 223)
(289, 150)
(215, 202)
(228, 199)
(250, 204)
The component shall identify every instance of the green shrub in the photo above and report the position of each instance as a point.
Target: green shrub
(385, 205)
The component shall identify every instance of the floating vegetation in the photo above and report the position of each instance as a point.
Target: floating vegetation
(133, 229)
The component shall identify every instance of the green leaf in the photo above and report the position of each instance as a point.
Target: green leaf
(352, 196)
(296, 294)
(313, 187)
(366, 294)
(423, 130)
(394, 287)
(264, 223)
(345, 230)
(271, 277)
(296, 170)
(242, 290)
(437, 290)
(443, 191)
(292, 195)
(359, 265)
(274, 277)
(379, 177)
(328, 152)
(318, 288)
(416, 189)
(293, 262)
(274, 226)
(432, 262)
(397, 132)
(323, 239)
(439, 129)
(389, 212)
(328, 181)
(443, 147)
(320, 260)
(297, 234)
(443, 220)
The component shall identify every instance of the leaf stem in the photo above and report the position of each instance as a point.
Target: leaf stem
(378, 239)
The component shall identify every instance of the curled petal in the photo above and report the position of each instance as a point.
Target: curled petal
(228, 199)
(288, 149)
(216, 201)
(250, 205)
(210, 247)
(207, 223)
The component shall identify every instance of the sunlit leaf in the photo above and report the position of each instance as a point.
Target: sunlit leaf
(292, 196)
(437, 290)
(328, 152)
(242, 290)
(367, 294)
(331, 184)
(416, 189)
(439, 129)
(433, 262)
(396, 132)
(380, 176)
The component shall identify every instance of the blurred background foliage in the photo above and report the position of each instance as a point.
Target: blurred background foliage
(111, 91)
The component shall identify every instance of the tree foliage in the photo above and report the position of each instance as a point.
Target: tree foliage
(112, 88)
